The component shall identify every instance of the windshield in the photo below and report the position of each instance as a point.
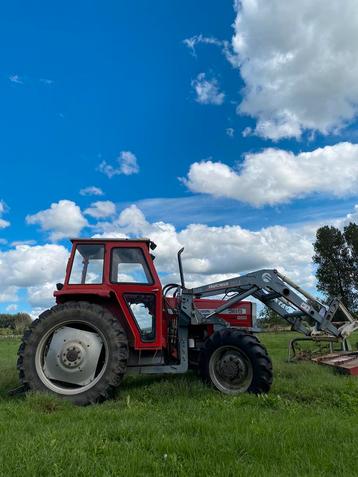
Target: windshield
(129, 266)
(87, 267)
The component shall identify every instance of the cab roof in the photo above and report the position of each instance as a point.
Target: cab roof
(100, 239)
(146, 240)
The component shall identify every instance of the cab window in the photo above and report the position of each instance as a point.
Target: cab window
(87, 267)
(142, 307)
(129, 266)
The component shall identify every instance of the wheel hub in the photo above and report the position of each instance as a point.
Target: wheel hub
(230, 370)
(72, 356)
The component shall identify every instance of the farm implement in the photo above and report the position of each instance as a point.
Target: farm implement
(112, 317)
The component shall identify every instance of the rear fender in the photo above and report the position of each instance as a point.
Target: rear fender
(107, 300)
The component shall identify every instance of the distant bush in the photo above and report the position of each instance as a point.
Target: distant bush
(15, 323)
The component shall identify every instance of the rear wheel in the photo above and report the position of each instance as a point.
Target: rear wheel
(234, 361)
(77, 351)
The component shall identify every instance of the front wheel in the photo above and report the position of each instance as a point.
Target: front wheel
(234, 361)
(77, 351)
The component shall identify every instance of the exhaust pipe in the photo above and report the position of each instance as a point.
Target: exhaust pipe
(181, 268)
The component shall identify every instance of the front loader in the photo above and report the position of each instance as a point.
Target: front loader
(112, 317)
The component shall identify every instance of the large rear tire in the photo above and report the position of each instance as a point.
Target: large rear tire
(235, 361)
(77, 351)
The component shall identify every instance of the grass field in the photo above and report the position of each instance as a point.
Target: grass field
(176, 426)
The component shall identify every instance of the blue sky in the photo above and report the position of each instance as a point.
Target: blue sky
(83, 82)
(121, 80)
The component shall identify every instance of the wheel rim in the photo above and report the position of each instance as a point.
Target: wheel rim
(230, 370)
(71, 357)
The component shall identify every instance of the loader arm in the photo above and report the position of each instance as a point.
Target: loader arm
(276, 291)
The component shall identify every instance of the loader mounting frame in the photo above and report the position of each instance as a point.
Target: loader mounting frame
(279, 293)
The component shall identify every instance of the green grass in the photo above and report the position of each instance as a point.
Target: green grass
(176, 426)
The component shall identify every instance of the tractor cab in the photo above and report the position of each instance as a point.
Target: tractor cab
(119, 273)
(128, 262)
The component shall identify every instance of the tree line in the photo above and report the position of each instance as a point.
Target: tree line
(14, 324)
(336, 268)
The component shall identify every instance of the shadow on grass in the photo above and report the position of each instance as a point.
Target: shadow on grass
(8, 382)
(140, 387)
(133, 382)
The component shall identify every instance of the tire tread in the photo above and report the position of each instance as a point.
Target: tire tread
(251, 346)
(112, 377)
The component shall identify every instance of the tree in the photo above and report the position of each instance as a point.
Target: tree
(351, 236)
(336, 256)
(17, 323)
(22, 322)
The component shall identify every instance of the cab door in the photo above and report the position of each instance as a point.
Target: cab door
(136, 284)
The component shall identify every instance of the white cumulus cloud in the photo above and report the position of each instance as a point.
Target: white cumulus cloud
(275, 176)
(299, 62)
(4, 223)
(213, 253)
(127, 165)
(16, 79)
(3, 209)
(91, 190)
(26, 266)
(8, 293)
(31, 268)
(63, 219)
(101, 209)
(207, 90)
(41, 296)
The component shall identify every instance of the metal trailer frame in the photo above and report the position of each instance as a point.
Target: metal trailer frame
(294, 350)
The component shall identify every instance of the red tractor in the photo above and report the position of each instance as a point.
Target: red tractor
(113, 317)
